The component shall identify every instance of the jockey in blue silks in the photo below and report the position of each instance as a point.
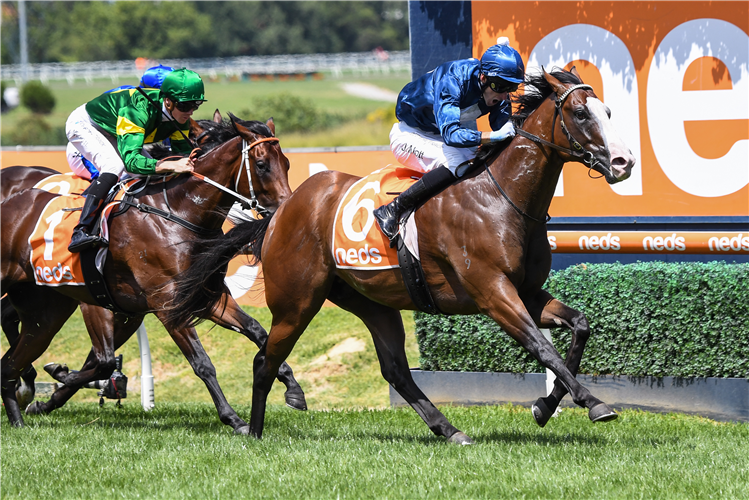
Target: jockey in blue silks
(437, 113)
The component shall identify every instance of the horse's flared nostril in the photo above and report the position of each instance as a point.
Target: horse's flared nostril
(621, 167)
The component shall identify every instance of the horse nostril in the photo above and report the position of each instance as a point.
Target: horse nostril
(618, 162)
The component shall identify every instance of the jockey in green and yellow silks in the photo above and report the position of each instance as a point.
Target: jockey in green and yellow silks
(110, 132)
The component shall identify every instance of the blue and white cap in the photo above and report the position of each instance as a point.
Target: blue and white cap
(502, 61)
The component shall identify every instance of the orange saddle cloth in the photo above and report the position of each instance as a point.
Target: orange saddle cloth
(65, 184)
(53, 264)
(358, 242)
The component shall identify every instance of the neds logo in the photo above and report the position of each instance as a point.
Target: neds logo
(58, 273)
(363, 256)
(725, 244)
(659, 243)
(607, 242)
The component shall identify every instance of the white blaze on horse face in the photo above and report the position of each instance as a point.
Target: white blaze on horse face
(622, 159)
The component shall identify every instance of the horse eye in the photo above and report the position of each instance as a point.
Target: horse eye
(261, 165)
(580, 114)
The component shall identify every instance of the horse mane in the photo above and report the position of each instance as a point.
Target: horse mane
(536, 90)
(225, 130)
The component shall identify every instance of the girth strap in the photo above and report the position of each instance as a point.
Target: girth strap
(413, 277)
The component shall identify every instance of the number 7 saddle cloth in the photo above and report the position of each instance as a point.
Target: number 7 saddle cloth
(358, 242)
(53, 264)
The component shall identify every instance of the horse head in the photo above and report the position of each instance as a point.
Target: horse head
(585, 123)
(266, 166)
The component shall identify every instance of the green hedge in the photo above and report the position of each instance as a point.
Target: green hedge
(650, 318)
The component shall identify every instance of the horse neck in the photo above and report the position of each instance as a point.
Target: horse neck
(200, 202)
(523, 170)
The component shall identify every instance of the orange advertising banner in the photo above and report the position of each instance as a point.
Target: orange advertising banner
(642, 242)
(676, 78)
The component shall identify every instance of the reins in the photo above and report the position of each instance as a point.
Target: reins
(578, 152)
(247, 203)
(251, 202)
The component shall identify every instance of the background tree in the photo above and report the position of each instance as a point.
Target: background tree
(95, 31)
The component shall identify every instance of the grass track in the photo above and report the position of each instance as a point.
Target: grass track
(182, 451)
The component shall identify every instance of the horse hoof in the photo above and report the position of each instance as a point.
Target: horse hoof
(56, 370)
(602, 413)
(35, 408)
(460, 438)
(242, 431)
(541, 412)
(24, 396)
(295, 401)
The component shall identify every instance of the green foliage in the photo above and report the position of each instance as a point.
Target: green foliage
(652, 318)
(292, 113)
(182, 450)
(95, 31)
(37, 97)
(34, 130)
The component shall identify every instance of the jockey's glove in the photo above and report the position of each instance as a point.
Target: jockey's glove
(507, 131)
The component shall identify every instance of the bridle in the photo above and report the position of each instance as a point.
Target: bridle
(251, 202)
(578, 152)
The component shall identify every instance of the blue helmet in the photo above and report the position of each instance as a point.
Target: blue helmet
(502, 62)
(154, 77)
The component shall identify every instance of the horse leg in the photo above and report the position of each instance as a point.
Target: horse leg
(509, 312)
(549, 312)
(291, 315)
(9, 319)
(234, 318)
(188, 342)
(105, 329)
(386, 326)
(38, 327)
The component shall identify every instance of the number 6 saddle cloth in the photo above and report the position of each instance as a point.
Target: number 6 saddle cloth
(358, 242)
(53, 264)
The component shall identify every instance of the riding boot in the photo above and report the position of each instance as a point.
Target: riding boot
(96, 194)
(388, 216)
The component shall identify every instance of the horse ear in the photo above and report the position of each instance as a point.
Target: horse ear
(217, 116)
(195, 128)
(271, 125)
(555, 84)
(573, 70)
(235, 123)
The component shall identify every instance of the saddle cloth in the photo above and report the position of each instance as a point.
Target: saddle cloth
(64, 184)
(358, 242)
(53, 264)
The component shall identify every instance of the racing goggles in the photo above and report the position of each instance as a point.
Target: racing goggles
(502, 86)
(187, 106)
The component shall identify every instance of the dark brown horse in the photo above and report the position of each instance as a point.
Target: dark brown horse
(140, 268)
(502, 230)
(208, 134)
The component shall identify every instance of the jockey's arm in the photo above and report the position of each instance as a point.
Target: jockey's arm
(447, 115)
(132, 123)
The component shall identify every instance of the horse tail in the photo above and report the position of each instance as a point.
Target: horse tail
(201, 287)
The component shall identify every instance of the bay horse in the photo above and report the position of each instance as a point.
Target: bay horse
(144, 254)
(496, 218)
(207, 134)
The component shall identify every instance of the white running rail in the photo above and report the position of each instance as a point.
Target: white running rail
(354, 62)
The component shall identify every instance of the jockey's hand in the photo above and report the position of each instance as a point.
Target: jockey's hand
(507, 131)
(175, 166)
